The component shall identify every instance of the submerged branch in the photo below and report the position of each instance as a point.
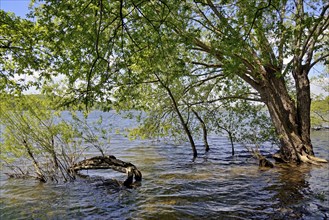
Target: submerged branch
(110, 162)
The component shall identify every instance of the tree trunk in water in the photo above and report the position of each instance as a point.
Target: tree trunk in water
(180, 116)
(291, 121)
(304, 108)
(204, 129)
(38, 170)
(231, 140)
(185, 126)
(190, 138)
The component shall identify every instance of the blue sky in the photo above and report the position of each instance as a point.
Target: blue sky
(19, 7)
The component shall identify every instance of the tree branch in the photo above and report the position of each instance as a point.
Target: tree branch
(256, 16)
(315, 29)
(321, 116)
(199, 83)
(227, 98)
(322, 58)
(309, 45)
(207, 65)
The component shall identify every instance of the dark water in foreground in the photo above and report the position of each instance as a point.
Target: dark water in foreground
(215, 186)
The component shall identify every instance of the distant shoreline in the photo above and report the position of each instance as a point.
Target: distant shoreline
(320, 128)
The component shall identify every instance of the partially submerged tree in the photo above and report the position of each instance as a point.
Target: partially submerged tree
(104, 48)
(38, 141)
(31, 134)
(252, 40)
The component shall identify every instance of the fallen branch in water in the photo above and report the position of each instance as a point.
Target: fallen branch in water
(110, 162)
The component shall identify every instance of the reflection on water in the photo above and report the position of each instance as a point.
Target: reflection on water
(214, 186)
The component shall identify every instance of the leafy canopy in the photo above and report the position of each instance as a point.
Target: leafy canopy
(145, 54)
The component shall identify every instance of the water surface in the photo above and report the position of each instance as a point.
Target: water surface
(214, 186)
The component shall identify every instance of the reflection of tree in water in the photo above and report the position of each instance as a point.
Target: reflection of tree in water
(290, 192)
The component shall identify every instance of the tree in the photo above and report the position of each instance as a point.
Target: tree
(256, 54)
(39, 142)
(31, 136)
(118, 46)
(22, 53)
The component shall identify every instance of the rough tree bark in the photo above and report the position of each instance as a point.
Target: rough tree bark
(291, 120)
(265, 73)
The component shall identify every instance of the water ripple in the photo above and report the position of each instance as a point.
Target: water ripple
(214, 186)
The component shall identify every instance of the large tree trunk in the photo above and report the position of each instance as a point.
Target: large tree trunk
(304, 107)
(291, 120)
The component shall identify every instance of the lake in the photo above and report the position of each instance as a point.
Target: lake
(214, 186)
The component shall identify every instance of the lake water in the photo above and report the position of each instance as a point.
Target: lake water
(214, 186)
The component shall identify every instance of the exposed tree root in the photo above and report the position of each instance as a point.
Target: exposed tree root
(317, 159)
(311, 159)
(263, 162)
(303, 158)
(277, 157)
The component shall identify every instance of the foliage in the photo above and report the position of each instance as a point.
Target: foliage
(239, 119)
(170, 58)
(320, 112)
(22, 53)
(37, 142)
(320, 103)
